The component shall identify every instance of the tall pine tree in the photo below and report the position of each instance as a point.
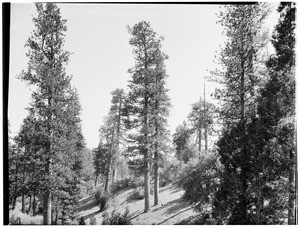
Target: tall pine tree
(146, 77)
(55, 103)
(241, 74)
(273, 131)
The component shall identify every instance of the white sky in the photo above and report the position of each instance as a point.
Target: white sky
(98, 38)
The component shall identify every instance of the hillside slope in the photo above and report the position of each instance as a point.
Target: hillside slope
(171, 210)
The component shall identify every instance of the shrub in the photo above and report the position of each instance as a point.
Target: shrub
(137, 194)
(15, 221)
(169, 173)
(93, 221)
(130, 182)
(117, 218)
(102, 198)
(81, 221)
(200, 181)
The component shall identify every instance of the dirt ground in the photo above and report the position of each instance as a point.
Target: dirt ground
(171, 209)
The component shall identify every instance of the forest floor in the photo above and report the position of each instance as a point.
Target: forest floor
(172, 209)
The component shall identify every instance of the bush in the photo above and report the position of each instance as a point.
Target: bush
(102, 198)
(130, 182)
(169, 173)
(81, 221)
(137, 194)
(93, 221)
(15, 221)
(200, 181)
(117, 218)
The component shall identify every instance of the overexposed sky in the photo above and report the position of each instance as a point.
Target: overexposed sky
(98, 38)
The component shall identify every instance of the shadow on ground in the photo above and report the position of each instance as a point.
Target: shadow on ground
(173, 216)
(194, 220)
(87, 204)
(165, 188)
(174, 205)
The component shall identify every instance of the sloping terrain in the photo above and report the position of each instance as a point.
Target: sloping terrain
(172, 208)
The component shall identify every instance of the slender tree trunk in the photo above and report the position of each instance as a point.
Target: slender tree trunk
(156, 176)
(34, 205)
(96, 180)
(16, 187)
(63, 213)
(24, 171)
(47, 192)
(181, 155)
(23, 203)
(147, 184)
(114, 174)
(29, 207)
(199, 139)
(56, 213)
(291, 202)
(205, 138)
(47, 199)
(156, 158)
(146, 151)
(146, 158)
(107, 177)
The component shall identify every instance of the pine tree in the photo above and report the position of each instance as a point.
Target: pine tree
(201, 117)
(55, 103)
(273, 131)
(108, 153)
(28, 147)
(159, 109)
(181, 138)
(148, 56)
(117, 112)
(240, 59)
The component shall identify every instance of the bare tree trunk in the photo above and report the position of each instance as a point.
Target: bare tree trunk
(29, 207)
(47, 199)
(96, 180)
(56, 213)
(114, 174)
(34, 205)
(156, 178)
(106, 186)
(63, 219)
(23, 203)
(23, 194)
(291, 202)
(47, 193)
(147, 165)
(106, 181)
(205, 138)
(199, 139)
(181, 155)
(147, 184)
(15, 188)
(146, 151)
